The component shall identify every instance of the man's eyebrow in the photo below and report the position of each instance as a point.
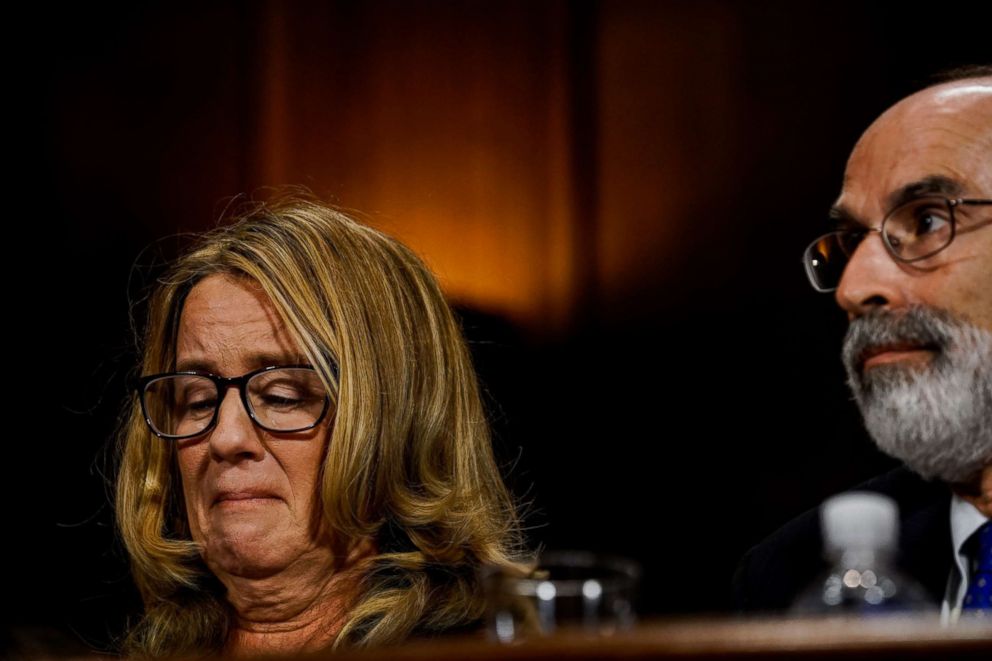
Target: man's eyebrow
(842, 218)
(932, 185)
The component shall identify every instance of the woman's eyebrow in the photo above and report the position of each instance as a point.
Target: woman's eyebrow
(194, 366)
(254, 361)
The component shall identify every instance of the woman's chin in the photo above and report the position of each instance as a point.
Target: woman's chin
(249, 550)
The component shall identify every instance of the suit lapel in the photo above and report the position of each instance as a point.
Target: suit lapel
(926, 551)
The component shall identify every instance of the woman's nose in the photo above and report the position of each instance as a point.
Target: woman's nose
(235, 435)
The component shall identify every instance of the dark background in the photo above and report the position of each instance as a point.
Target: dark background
(615, 195)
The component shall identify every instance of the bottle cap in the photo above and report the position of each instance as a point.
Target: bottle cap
(859, 520)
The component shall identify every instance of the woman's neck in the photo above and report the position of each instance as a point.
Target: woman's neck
(293, 625)
(302, 608)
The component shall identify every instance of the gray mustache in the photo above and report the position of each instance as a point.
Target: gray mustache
(917, 326)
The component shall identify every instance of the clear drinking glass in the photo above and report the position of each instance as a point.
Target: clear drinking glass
(566, 590)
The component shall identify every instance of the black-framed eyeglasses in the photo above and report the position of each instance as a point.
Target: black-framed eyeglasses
(280, 399)
(911, 232)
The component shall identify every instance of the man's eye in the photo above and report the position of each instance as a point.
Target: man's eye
(850, 239)
(929, 221)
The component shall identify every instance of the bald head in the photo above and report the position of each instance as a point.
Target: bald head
(935, 142)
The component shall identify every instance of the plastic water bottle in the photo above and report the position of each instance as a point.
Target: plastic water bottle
(860, 538)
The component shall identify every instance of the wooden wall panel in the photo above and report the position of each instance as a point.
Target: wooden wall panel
(447, 129)
(668, 153)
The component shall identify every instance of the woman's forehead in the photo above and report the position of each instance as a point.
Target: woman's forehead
(230, 322)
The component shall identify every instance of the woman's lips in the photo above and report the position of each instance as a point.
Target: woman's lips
(240, 498)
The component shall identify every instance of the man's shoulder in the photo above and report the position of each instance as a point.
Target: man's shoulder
(907, 488)
(772, 573)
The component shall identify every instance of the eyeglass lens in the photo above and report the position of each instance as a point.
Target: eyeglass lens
(919, 229)
(913, 231)
(281, 400)
(827, 257)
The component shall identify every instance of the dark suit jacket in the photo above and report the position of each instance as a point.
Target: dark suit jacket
(773, 573)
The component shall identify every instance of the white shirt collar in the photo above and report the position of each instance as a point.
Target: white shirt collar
(965, 520)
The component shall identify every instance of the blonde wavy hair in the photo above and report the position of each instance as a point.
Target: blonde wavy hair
(409, 463)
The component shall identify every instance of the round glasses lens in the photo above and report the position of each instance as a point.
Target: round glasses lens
(919, 229)
(180, 405)
(826, 258)
(287, 399)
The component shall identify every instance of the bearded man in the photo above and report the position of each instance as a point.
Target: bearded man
(910, 262)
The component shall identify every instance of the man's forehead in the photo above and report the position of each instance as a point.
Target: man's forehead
(939, 139)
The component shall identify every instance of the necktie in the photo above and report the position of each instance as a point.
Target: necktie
(979, 594)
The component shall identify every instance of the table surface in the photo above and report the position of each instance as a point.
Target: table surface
(717, 638)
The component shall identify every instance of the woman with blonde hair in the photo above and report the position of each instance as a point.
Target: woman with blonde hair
(306, 462)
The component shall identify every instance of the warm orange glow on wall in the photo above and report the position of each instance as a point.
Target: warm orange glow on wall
(536, 179)
(451, 137)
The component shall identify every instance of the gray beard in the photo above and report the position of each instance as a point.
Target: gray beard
(935, 417)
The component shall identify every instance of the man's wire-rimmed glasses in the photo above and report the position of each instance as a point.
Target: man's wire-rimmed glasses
(279, 399)
(911, 232)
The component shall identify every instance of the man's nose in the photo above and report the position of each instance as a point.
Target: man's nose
(871, 280)
(234, 436)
